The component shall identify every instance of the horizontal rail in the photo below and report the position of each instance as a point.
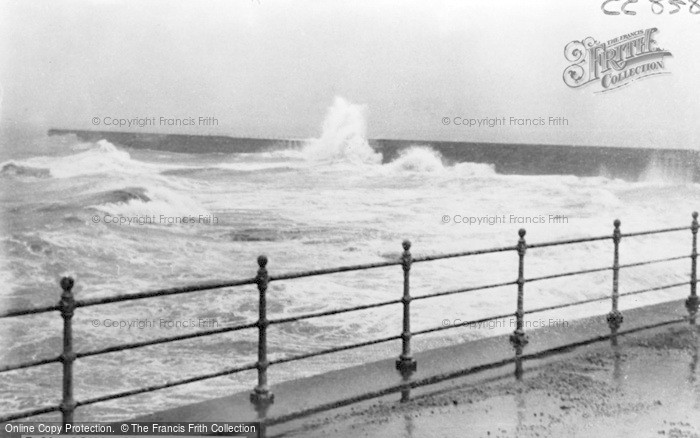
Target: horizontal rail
(463, 290)
(122, 347)
(463, 254)
(332, 312)
(663, 230)
(30, 364)
(567, 242)
(31, 311)
(650, 262)
(173, 291)
(335, 350)
(591, 300)
(590, 271)
(162, 292)
(567, 274)
(315, 272)
(562, 306)
(152, 388)
(294, 275)
(653, 289)
(461, 324)
(598, 238)
(32, 413)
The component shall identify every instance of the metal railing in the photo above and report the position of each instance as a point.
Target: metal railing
(262, 397)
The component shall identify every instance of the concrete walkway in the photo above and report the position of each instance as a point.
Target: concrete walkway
(306, 393)
(646, 387)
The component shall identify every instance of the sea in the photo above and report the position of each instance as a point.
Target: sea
(122, 220)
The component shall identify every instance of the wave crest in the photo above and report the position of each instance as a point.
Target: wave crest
(418, 159)
(151, 201)
(11, 169)
(424, 159)
(343, 137)
(100, 157)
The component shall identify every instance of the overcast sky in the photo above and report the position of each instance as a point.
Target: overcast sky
(271, 68)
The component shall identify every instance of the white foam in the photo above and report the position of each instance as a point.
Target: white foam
(163, 199)
(418, 159)
(245, 167)
(343, 138)
(100, 158)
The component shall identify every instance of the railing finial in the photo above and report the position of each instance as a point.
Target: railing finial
(67, 284)
(521, 246)
(692, 303)
(67, 307)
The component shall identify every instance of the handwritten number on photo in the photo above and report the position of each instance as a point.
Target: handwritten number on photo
(624, 6)
(694, 4)
(655, 9)
(677, 4)
(607, 12)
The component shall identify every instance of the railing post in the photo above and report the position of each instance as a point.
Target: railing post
(615, 317)
(519, 339)
(405, 363)
(692, 302)
(261, 396)
(67, 306)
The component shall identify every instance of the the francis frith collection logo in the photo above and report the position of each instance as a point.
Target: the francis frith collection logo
(614, 63)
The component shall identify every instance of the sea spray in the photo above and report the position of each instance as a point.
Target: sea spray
(343, 138)
(418, 159)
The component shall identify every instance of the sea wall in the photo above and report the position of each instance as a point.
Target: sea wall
(181, 143)
(632, 164)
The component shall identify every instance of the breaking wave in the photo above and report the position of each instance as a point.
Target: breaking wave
(343, 141)
(11, 169)
(101, 157)
(424, 159)
(343, 137)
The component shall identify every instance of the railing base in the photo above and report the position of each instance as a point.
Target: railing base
(518, 339)
(615, 320)
(406, 366)
(692, 304)
(262, 398)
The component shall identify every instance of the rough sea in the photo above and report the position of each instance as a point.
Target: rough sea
(112, 217)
